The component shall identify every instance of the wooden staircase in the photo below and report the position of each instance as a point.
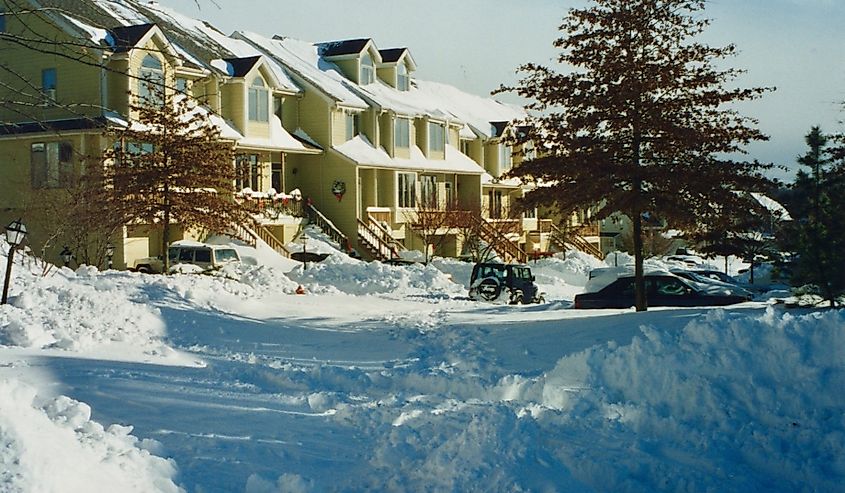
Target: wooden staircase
(573, 239)
(507, 249)
(316, 217)
(377, 240)
(253, 232)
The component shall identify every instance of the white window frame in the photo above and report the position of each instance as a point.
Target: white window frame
(150, 75)
(436, 137)
(368, 69)
(353, 124)
(406, 190)
(402, 133)
(428, 192)
(51, 164)
(259, 101)
(403, 78)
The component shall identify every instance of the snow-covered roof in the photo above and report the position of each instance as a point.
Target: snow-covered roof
(303, 60)
(360, 150)
(478, 112)
(772, 206)
(279, 139)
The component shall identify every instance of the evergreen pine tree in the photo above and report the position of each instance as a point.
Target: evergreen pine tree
(636, 122)
(818, 237)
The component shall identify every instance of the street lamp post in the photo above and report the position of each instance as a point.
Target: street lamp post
(109, 254)
(66, 255)
(15, 234)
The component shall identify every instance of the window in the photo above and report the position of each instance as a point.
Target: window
(2, 21)
(505, 160)
(181, 84)
(465, 147)
(259, 102)
(48, 83)
(276, 177)
(495, 199)
(367, 70)
(530, 214)
(407, 190)
(279, 108)
(51, 165)
(247, 172)
(352, 125)
(151, 82)
(402, 133)
(202, 255)
(436, 137)
(449, 197)
(403, 80)
(428, 192)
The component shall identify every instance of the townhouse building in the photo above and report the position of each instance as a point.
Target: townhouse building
(342, 128)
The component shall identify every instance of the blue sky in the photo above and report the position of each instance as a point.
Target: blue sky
(794, 45)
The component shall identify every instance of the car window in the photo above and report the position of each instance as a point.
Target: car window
(523, 273)
(624, 286)
(186, 255)
(670, 287)
(202, 255)
(172, 254)
(225, 255)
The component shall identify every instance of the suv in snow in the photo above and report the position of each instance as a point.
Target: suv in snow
(207, 257)
(513, 283)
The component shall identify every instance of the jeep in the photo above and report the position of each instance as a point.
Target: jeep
(511, 283)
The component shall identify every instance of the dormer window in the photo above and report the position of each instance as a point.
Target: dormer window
(403, 80)
(2, 21)
(402, 133)
(367, 75)
(259, 101)
(436, 137)
(151, 81)
(352, 125)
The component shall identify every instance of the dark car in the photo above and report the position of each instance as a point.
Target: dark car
(513, 283)
(661, 290)
(712, 284)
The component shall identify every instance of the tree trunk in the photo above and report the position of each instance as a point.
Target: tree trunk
(639, 278)
(165, 239)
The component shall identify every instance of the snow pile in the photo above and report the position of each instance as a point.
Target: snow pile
(758, 399)
(367, 278)
(563, 277)
(52, 444)
(79, 312)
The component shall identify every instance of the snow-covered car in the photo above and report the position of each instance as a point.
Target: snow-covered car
(204, 256)
(662, 289)
(709, 282)
(511, 283)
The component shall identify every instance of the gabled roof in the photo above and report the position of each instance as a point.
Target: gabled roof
(126, 38)
(344, 47)
(393, 55)
(242, 66)
(499, 128)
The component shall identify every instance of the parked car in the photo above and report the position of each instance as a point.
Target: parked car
(513, 283)
(207, 257)
(707, 281)
(662, 289)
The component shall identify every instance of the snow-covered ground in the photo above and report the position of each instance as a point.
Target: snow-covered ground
(384, 378)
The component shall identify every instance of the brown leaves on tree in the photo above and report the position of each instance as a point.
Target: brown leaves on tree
(169, 166)
(638, 120)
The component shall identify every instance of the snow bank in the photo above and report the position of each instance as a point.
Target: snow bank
(52, 445)
(80, 311)
(758, 400)
(367, 278)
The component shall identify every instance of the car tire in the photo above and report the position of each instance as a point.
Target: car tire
(489, 289)
(516, 298)
(144, 269)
